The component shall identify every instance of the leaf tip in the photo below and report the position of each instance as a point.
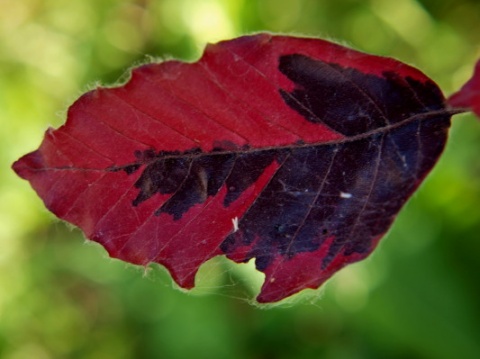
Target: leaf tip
(468, 96)
(28, 163)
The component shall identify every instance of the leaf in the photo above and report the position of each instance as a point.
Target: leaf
(294, 151)
(469, 95)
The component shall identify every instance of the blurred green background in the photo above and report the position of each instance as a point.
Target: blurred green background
(417, 296)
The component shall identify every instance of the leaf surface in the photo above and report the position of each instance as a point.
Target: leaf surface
(296, 152)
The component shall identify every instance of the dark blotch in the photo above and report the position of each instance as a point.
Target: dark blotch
(163, 175)
(205, 177)
(192, 176)
(349, 101)
(305, 202)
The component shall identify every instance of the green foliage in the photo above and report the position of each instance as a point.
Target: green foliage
(417, 297)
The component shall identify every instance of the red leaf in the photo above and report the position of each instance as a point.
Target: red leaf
(469, 95)
(296, 152)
